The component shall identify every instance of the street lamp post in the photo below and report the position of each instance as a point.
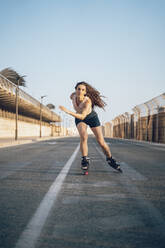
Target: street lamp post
(16, 114)
(51, 106)
(59, 125)
(41, 116)
(66, 126)
(63, 124)
(20, 82)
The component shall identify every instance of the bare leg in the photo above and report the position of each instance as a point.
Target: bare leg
(82, 129)
(100, 139)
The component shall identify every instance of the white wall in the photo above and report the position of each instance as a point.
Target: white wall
(25, 129)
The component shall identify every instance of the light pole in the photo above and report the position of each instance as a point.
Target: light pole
(51, 106)
(62, 124)
(59, 124)
(70, 127)
(66, 126)
(41, 116)
(63, 121)
(20, 82)
(16, 112)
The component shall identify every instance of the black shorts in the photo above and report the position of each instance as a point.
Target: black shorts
(91, 120)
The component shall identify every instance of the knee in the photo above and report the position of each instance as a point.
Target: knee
(84, 138)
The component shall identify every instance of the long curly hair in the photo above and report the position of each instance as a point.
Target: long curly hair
(93, 94)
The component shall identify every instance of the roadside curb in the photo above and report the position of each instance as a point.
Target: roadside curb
(137, 141)
(33, 140)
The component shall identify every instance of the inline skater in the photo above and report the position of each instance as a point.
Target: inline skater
(84, 99)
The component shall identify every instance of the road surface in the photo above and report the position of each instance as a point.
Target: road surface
(45, 201)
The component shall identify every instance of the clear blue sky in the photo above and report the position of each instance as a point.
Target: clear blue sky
(115, 45)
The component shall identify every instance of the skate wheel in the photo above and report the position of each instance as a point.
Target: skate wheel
(85, 172)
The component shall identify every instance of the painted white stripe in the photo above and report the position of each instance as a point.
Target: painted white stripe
(31, 233)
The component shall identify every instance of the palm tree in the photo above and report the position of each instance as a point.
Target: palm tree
(13, 76)
(50, 106)
(18, 80)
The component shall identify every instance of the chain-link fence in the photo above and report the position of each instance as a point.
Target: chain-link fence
(147, 122)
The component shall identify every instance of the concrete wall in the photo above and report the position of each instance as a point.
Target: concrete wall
(25, 129)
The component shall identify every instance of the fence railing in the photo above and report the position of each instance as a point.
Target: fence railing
(147, 122)
(10, 88)
(9, 115)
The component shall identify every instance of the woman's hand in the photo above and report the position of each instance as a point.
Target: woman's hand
(64, 109)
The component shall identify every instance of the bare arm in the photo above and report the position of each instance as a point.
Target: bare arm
(77, 115)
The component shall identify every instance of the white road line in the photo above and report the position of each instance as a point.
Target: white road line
(33, 230)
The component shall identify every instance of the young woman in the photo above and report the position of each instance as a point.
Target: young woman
(84, 99)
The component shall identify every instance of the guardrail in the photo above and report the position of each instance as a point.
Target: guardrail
(7, 85)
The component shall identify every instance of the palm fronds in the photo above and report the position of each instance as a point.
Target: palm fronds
(13, 76)
(50, 106)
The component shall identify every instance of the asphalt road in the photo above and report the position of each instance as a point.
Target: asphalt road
(46, 202)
